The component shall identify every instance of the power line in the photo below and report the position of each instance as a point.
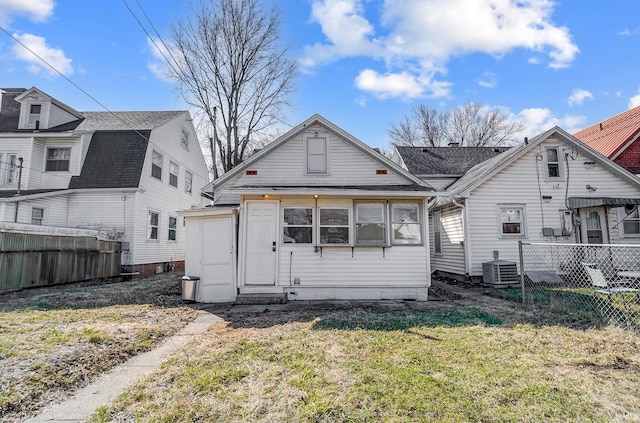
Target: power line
(71, 82)
(151, 38)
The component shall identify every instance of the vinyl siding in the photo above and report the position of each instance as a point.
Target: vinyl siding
(518, 184)
(347, 165)
(361, 266)
(451, 259)
(57, 116)
(159, 196)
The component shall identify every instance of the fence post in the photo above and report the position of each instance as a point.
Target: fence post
(521, 271)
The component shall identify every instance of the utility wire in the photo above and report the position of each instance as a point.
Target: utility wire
(151, 38)
(72, 83)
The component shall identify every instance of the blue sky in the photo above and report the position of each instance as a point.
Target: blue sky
(364, 63)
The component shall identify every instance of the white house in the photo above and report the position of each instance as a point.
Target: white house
(123, 173)
(552, 188)
(318, 215)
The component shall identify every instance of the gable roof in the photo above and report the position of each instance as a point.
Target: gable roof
(412, 180)
(104, 167)
(611, 136)
(454, 161)
(37, 92)
(485, 170)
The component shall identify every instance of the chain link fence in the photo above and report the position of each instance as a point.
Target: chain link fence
(585, 282)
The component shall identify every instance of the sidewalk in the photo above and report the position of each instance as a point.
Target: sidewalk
(107, 387)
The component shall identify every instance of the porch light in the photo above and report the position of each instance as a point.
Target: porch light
(266, 196)
(589, 165)
(315, 195)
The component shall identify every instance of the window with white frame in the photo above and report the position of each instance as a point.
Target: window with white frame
(37, 216)
(334, 225)
(371, 228)
(156, 165)
(58, 159)
(34, 114)
(630, 221)
(437, 232)
(552, 164)
(406, 223)
(152, 225)
(316, 149)
(173, 174)
(184, 139)
(511, 221)
(188, 181)
(297, 225)
(173, 224)
(10, 168)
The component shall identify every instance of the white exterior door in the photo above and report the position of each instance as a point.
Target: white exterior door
(261, 243)
(210, 254)
(593, 226)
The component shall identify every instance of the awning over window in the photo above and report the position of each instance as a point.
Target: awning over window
(580, 202)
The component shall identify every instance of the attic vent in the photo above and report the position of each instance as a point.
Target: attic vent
(251, 172)
(381, 171)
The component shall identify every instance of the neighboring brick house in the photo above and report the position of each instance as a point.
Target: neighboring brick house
(125, 174)
(616, 138)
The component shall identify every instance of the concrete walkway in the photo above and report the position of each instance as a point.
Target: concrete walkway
(107, 387)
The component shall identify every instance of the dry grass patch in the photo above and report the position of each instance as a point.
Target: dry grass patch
(52, 344)
(448, 365)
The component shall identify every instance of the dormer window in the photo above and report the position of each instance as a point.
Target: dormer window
(34, 115)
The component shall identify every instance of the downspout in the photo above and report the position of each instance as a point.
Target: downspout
(465, 244)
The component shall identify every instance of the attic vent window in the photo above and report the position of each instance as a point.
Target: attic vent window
(251, 172)
(381, 171)
(316, 153)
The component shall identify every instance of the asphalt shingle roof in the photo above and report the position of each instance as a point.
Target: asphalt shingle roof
(117, 121)
(114, 160)
(445, 160)
(611, 135)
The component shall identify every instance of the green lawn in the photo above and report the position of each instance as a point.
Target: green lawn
(446, 365)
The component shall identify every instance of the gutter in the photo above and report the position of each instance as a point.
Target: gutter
(64, 192)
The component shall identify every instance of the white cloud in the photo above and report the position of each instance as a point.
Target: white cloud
(158, 64)
(36, 10)
(38, 45)
(538, 120)
(635, 100)
(401, 84)
(418, 37)
(487, 80)
(578, 96)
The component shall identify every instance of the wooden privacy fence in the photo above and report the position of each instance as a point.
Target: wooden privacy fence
(31, 260)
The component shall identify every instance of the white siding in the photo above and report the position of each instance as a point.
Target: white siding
(347, 165)
(346, 266)
(163, 198)
(361, 266)
(451, 259)
(518, 184)
(57, 116)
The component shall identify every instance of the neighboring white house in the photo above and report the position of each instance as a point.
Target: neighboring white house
(123, 173)
(552, 188)
(318, 215)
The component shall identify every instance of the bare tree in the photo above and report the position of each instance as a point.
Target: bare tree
(470, 125)
(232, 69)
